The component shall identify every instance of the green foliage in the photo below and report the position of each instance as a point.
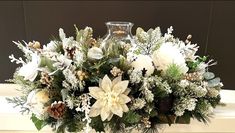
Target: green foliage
(124, 64)
(201, 110)
(150, 130)
(47, 63)
(59, 48)
(184, 119)
(116, 124)
(58, 79)
(19, 102)
(173, 72)
(214, 101)
(201, 118)
(26, 85)
(114, 49)
(131, 117)
(72, 122)
(153, 113)
(70, 125)
(64, 94)
(84, 35)
(194, 64)
(159, 93)
(97, 124)
(39, 124)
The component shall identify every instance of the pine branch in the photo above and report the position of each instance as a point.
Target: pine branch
(19, 102)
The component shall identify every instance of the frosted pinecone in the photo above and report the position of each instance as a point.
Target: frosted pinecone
(138, 103)
(116, 72)
(183, 104)
(212, 92)
(56, 110)
(135, 76)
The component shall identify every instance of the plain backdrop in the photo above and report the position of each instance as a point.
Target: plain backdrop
(211, 23)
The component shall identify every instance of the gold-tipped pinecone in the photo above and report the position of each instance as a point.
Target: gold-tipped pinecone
(94, 42)
(195, 76)
(56, 110)
(46, 79)
(116, 71)
(146, 122)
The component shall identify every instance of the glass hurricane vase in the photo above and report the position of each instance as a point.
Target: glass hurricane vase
(118, 33)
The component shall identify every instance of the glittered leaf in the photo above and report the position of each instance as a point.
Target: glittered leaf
(209, 75)
(214, 82)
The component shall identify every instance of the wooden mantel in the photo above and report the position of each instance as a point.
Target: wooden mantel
(11, 121)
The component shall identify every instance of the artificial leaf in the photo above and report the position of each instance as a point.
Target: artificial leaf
(39, 124)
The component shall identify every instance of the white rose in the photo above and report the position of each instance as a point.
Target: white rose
(169, 54)
(36, 102)
(30, 70)
(95, 53)
(143, 62)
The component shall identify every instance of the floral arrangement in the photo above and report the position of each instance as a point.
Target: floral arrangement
(74, 85)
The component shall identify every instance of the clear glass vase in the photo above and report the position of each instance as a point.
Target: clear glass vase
(118, 32)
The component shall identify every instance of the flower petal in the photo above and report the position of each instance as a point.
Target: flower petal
(105, 113)
(99, 104)
(110, 117)
(127, 91)
(96, 92)
(95, 53)
(124, 108)
(33, 76)
(116, 80)
(120, 87)
(124, 99)
(117, 110)
(94, 112)
(106, 84)
(100, 81)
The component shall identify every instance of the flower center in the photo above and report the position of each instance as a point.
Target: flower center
(111, 98)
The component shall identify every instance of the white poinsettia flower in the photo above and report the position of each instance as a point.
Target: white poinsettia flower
(167, 55)
(111, 98)
(95, 53)
(30, 70)
(36, 102)
(143, 63)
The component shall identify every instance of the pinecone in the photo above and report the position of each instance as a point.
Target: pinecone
(195, 76)
(46, 79)
(146, 122)
(56, 110)
(116, 71)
